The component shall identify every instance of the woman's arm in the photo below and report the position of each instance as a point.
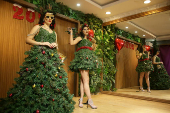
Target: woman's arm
(154, 61)
(73, 42)
(29, 39)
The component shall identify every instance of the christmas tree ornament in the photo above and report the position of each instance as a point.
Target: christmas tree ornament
(10, 95)
(36, 57)
(52, 99)
(52, 54)
(33, 86)
(42, 86)
(56, 75)
(43, 52)
(119, 44)
(26, 69)
(58, 67)
(86, 57)
(42, 63)
(44, 66)
(37, 111)
(60, 76)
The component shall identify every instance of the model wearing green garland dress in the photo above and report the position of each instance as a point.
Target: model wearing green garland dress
(84, 61)
(144, 67)
(41, 86)
(159, 77)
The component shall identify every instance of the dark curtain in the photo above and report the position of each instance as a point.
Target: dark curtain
(165, 56)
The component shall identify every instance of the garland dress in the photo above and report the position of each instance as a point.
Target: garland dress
(85, 58)
(159, 77)
(42, 84)
(144, 65)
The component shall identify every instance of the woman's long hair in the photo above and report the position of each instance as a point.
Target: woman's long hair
(41, 21)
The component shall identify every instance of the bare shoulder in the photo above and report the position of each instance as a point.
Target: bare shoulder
(79, 38)
(36, 27)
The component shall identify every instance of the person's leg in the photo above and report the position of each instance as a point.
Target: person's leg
(147, 80)
(141, 80)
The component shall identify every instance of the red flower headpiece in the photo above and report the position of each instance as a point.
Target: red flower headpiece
(84, 25)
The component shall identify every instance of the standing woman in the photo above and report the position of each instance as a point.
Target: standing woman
(144, 67)
(159, 77)
(84, 61)
(42, 84)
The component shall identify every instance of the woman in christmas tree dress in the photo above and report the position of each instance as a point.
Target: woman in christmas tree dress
(159, 77)
(85, 60)
(144, 67)
(41, 86)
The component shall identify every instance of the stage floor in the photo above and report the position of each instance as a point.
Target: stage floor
(115, 104)
(160, 94)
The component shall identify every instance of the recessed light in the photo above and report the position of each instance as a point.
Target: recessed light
(143, 35)
(147, 1)
(78, 4)
(108, 13)
(136, 31)
(126, 27)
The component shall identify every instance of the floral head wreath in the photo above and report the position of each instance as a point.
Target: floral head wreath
(84, 25)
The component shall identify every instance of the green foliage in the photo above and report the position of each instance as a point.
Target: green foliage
(109, 57)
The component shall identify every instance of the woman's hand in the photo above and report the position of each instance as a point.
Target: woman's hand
(161, 62)
(46, 44)
(53, 45)
(70, 30)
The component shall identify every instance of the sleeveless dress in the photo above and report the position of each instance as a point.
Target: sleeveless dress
(159, 78)
(85, 58)
(42, 84)
(144, 64)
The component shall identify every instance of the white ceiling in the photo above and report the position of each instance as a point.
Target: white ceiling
(157, 25)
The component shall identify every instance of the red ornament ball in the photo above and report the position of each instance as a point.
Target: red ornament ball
(42, 86)
(44, 66)
(42, 63)
(51, 47)
(53, 99)
(60, 57)
(37, 111)
(86, 57)
(10, 95)
(43, 52)
(26, 69)
(60, 76)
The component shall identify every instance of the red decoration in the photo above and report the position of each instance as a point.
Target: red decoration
(42, 86)
(91, 34)
(86, 57)
(19, 12)
(37, 111)
(39, 15)
(132, 46)
(28, 15)
(60, 57)
(85, 47)
(42, 63)
(119, 44)
(147, 47)
(26, 69)
(53, 99)
(44, 66)
(60, 76)
(43, 52)
(10, 95)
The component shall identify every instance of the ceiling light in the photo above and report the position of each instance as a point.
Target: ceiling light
(108, 13)
(147, 1)
(126, 27)
(136, 31)
(143, 35)
(78, 4)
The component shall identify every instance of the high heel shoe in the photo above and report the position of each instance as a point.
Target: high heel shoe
(148, 89)
(80, 100)
(90, 102)
(141, 89)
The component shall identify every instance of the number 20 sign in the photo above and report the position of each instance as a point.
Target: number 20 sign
(17, 14)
